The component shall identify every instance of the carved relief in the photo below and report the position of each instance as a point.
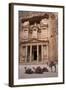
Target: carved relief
(39, 29)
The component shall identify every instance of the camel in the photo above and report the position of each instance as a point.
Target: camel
(28, 70)
(38, 70)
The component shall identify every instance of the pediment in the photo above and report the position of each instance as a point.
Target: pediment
(34, 40)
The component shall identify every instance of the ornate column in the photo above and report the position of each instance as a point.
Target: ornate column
(30, 53)
(26, 54)
(47, 52)
(37, 53)
(42, 53)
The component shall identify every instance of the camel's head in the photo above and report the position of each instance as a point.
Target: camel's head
(34, 68)
(25, 67)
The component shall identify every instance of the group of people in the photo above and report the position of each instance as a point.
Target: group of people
(39, 70)
(52, 65)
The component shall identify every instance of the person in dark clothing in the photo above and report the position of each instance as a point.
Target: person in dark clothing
(51, 65)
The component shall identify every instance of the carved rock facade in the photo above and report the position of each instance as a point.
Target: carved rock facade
(38, 38)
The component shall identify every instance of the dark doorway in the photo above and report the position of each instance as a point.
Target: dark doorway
(39, 52)
(35, 55)
(34, 52)
(28, 53)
